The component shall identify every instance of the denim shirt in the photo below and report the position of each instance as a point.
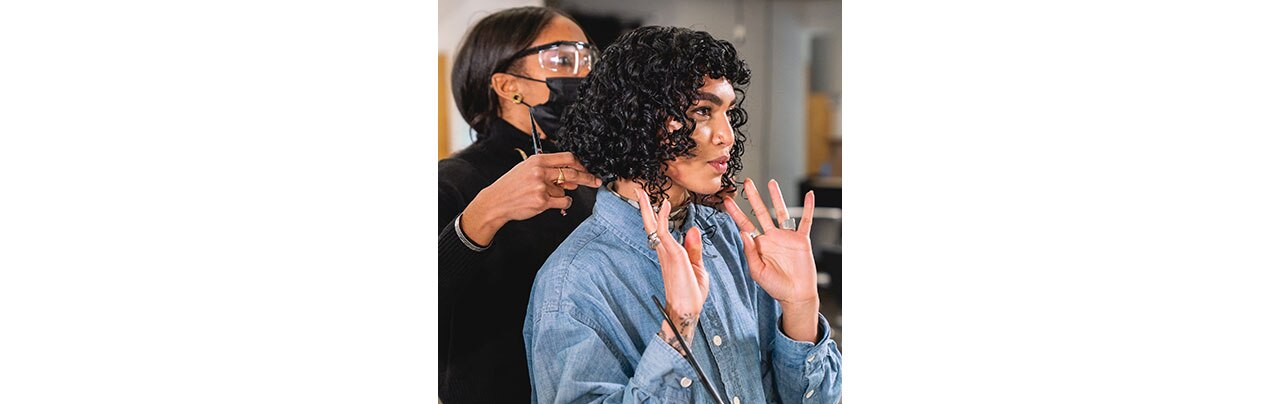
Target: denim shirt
(591, 329)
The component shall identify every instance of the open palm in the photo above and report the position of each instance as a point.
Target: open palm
(780, 260)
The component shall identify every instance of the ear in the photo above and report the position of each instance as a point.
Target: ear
(505, 85)
(673, 125)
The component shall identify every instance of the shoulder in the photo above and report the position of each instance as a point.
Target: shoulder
(576, 273)
(461, 162)
(466, 171)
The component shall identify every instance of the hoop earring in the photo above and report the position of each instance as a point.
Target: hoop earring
(517, 98)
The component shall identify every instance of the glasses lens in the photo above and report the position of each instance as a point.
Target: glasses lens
(566, 58)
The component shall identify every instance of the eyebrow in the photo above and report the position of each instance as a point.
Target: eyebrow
(709, 97)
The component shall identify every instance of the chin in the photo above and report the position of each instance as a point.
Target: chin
(706, 187)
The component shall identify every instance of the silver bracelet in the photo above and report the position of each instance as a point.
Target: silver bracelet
(457, 226)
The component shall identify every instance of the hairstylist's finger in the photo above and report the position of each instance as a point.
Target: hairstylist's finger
(561, 202)
(757, 206)
(571, 176)
(562, 159)
(555, 191)
(779, 206)
(806, 219)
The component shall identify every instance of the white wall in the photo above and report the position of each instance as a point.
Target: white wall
(455, 17)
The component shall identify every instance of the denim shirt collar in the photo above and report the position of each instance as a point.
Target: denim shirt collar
(625, 221)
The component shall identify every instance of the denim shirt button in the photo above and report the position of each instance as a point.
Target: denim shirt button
(685, 382)
(716, 340)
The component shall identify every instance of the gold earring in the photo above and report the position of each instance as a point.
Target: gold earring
(517, 98)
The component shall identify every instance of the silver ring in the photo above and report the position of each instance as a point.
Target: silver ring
(653, 241)
(753, 234)
(789, 224)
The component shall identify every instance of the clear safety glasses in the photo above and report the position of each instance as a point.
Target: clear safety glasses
(566, 57)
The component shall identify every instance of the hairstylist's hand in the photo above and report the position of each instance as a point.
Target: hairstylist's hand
(525, 191)
(781, 260)
(683, 276)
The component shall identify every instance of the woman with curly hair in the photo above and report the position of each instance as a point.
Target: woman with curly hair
(658, 119)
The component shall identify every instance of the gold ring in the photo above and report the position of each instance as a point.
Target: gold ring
(560, 179)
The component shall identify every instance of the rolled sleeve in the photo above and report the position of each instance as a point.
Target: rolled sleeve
(662, 372)
(569, 362)
(807, 372)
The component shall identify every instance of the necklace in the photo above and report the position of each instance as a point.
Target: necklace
(677, 217)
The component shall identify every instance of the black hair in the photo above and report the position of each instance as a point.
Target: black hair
(487, 47)
(617, 127)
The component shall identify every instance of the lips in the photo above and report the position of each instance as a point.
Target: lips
(721, 165)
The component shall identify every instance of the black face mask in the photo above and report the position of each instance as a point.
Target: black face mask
(564, 90)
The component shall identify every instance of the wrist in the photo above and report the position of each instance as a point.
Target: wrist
(669, 336)
(800, 319)
(800, 306)
(480, 223)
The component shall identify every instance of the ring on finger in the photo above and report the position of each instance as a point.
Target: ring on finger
(559, 179)
(789, 224)
(653, 240)
(753, 234)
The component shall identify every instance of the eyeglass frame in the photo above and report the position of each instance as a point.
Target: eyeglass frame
(595, 52)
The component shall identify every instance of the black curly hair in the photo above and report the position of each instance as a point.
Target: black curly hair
(617, 127)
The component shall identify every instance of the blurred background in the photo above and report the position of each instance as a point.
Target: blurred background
(793, 103)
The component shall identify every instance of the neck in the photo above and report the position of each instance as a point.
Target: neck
(627, 188)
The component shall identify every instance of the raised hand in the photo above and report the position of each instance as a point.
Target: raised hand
(781, 260)
(683, 276)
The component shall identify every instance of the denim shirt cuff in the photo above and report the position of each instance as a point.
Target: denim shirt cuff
(663, 374)
(802, 355)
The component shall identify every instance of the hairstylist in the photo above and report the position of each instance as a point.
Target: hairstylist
(510, 198)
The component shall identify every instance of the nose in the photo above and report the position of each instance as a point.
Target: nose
(722, 131)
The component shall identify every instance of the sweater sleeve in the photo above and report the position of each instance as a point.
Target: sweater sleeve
(457, 261)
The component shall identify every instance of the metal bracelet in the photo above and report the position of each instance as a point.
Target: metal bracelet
(457, 226)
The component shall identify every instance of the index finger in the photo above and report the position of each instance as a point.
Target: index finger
(757, 205)
(561, 159)
(744, 223)
(579, 177)
(646, 212)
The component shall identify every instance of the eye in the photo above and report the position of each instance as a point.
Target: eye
(702, 111)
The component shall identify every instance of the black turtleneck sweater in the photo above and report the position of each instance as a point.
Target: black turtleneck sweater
(483, 295)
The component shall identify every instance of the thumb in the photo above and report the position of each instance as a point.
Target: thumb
(693, 245)
(754, 264)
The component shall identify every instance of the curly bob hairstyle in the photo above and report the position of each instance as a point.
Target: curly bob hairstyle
(617, 126)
